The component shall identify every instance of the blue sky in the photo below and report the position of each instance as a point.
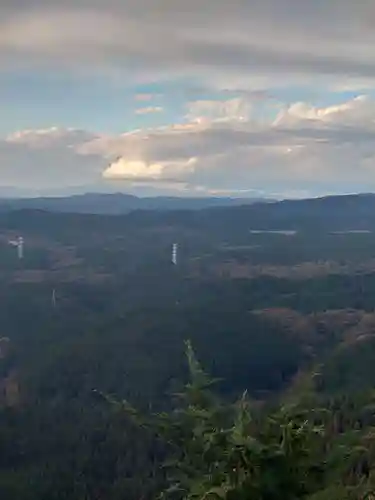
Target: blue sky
(222, 98)
(44, 99)
(41, 100)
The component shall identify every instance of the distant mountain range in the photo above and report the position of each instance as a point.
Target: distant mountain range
(353, 213)
(119, 203)
(222, 216)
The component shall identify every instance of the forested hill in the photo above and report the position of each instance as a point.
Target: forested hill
(351, 212)
(118, 203)
(277, 300)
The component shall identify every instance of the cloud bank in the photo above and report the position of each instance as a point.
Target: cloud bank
(148, 110)
(220, 147)
(236, 44)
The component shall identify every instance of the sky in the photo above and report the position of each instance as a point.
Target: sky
(272, 98)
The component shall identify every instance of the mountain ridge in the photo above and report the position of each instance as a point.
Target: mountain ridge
(119, 203)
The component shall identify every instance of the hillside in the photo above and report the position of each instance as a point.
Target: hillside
(292, 239)
(277, 299)
(118, 203)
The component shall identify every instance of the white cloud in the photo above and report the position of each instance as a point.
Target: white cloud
(304, 150)
(358, 112)
(143, 97)
(38, 160)
(51, 137)
(241, 43)
(149, 110)
(124, 169)
(167, 171)
(236, 109)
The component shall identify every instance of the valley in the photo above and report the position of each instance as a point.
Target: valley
(276, 299)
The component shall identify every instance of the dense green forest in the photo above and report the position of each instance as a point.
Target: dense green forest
(94, 322)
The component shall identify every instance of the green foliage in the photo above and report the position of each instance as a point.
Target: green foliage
(222, 451)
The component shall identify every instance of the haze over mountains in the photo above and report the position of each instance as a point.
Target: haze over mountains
(351, 207)
(119, 203)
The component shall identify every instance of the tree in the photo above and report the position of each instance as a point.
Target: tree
(228, 452)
